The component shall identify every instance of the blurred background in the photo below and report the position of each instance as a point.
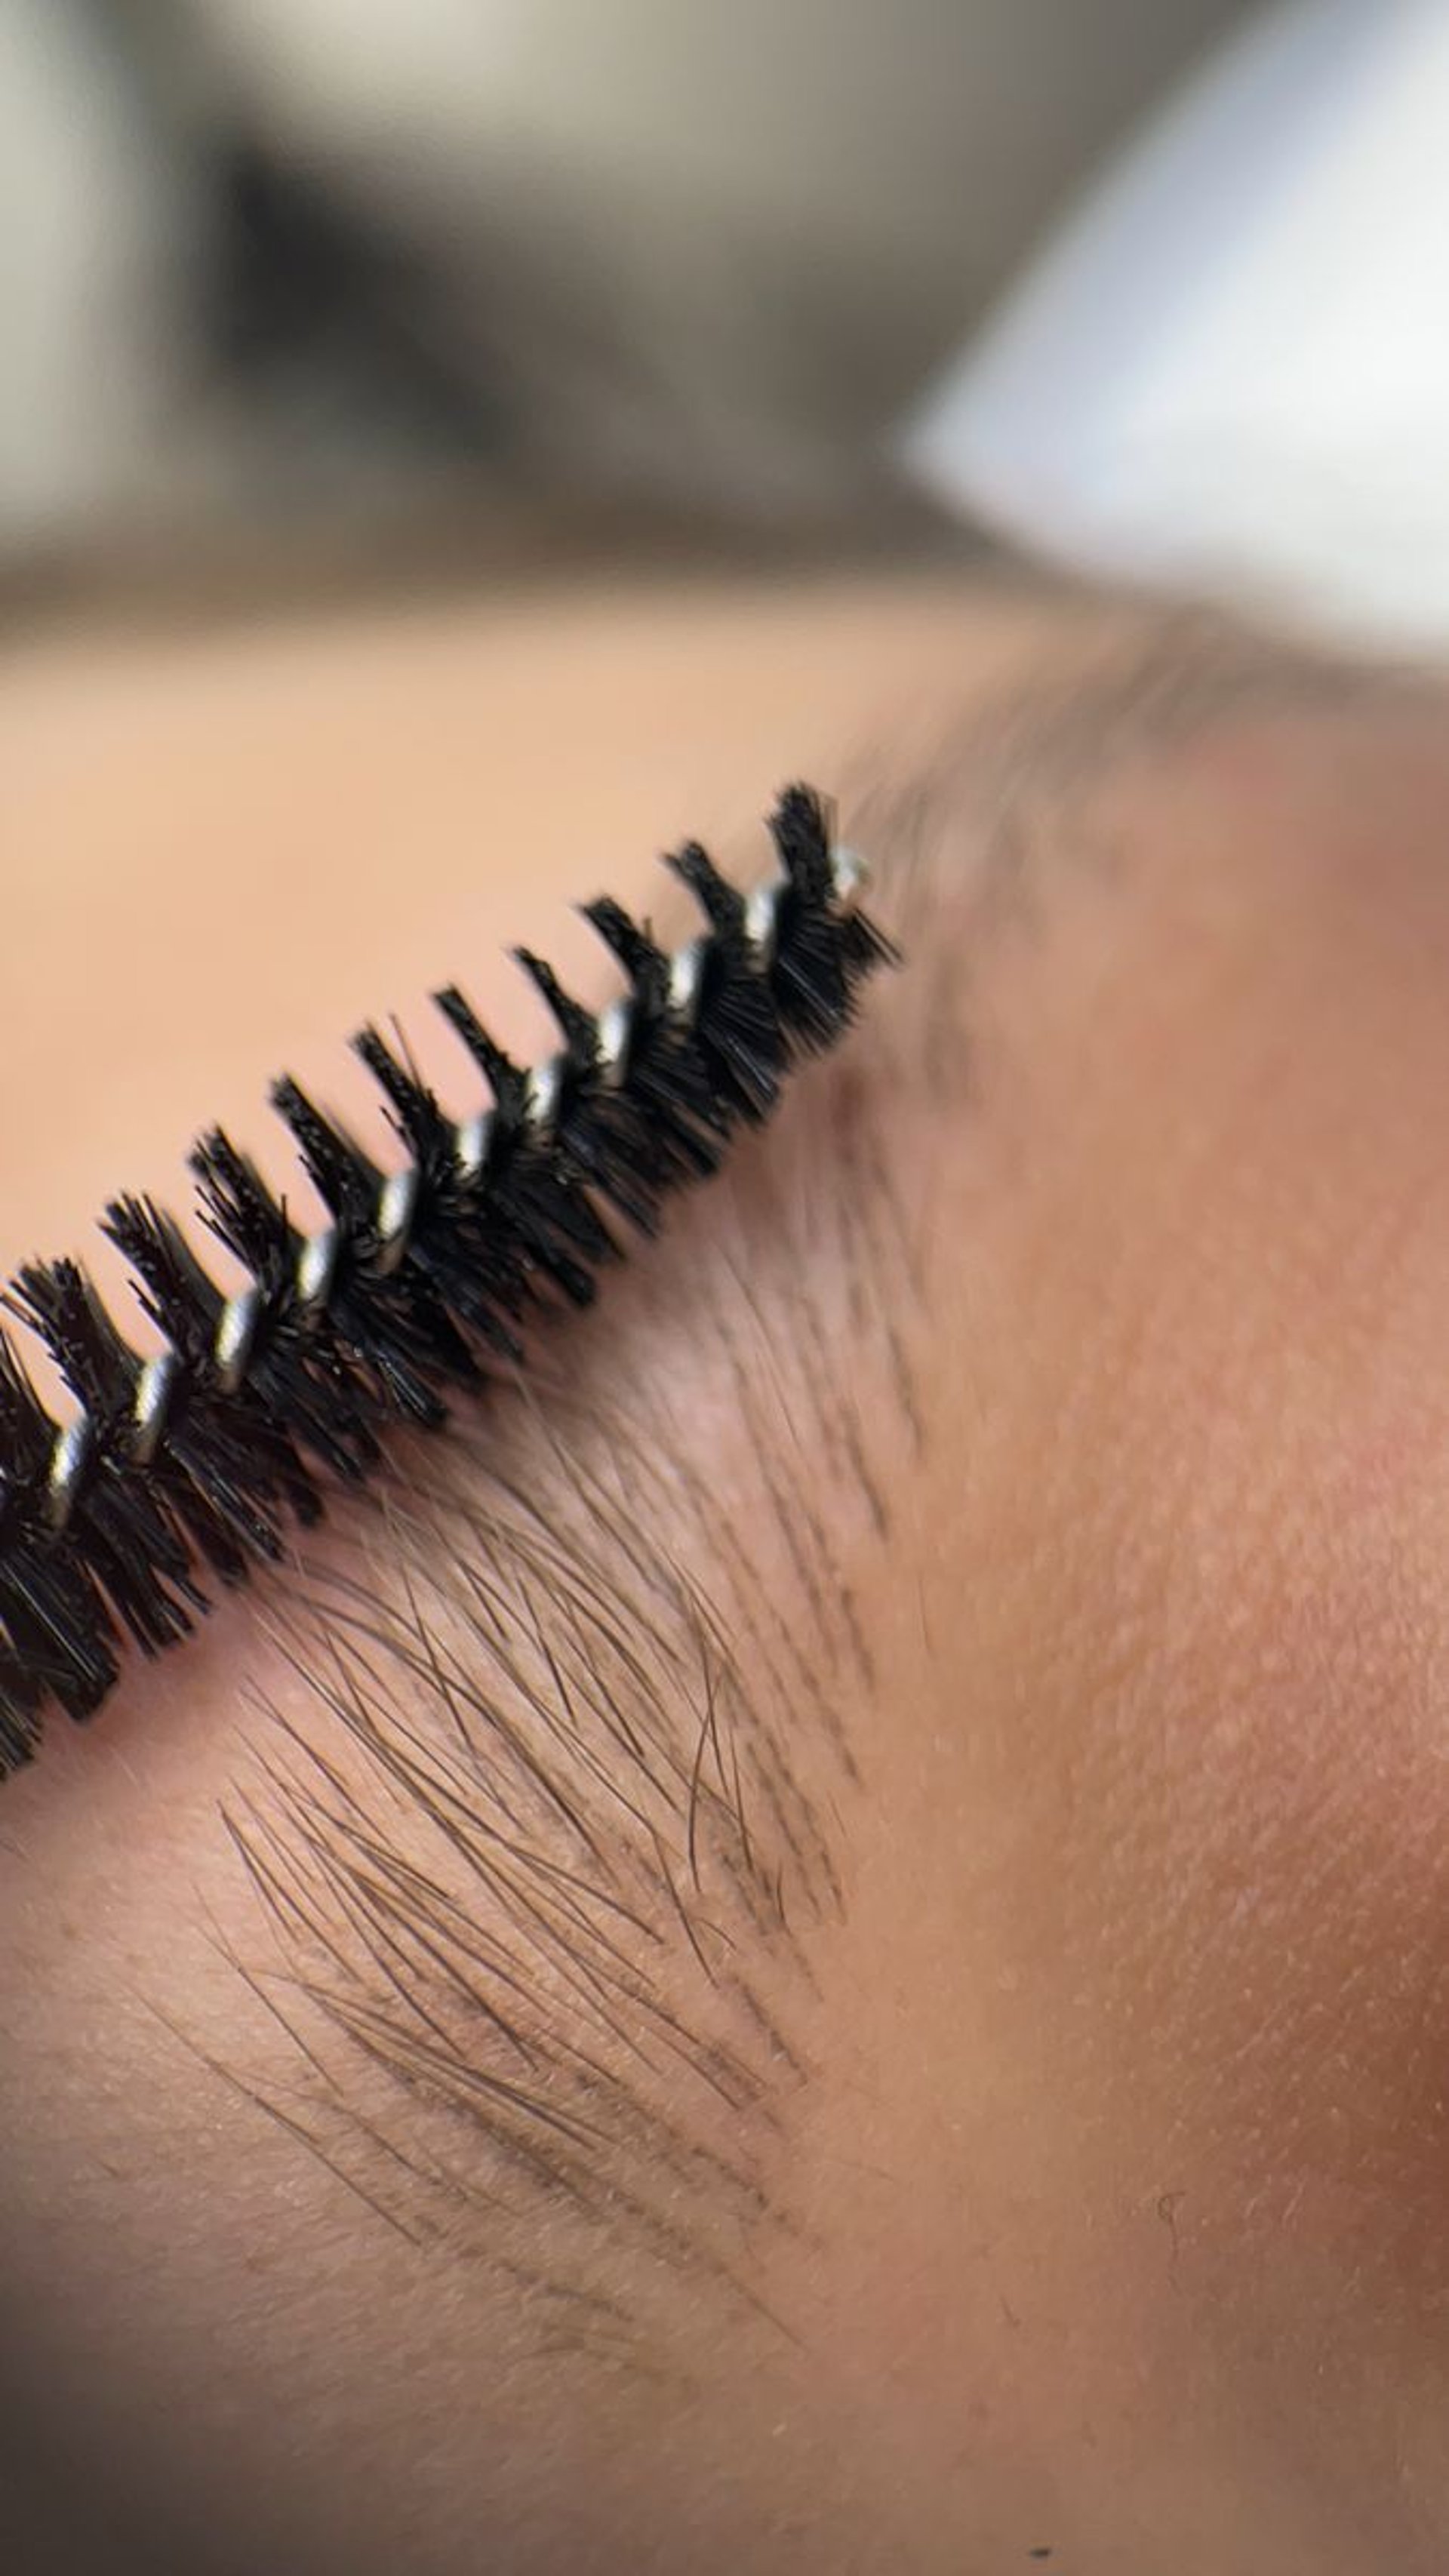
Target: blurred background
(288, 284)
(295, 292)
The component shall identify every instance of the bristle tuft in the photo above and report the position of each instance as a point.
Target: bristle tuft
(194, 1463)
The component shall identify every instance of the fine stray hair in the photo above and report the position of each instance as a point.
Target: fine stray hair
(195, 1460)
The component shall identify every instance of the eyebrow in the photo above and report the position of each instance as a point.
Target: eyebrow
(544, 1820)
(545, 1823)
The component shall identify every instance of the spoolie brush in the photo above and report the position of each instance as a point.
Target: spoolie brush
(195, 1461)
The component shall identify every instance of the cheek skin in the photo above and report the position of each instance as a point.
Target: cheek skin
(1164, 1984)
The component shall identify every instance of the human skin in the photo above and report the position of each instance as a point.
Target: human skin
(1115, 2167)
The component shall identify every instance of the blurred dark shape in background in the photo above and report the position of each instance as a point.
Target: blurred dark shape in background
(294, 283)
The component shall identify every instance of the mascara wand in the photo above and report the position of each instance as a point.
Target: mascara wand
(197, 1459)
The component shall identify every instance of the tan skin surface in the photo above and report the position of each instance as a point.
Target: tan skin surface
(1124, 2147)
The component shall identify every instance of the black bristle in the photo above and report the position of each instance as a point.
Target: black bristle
(737, 1027)
(345, 1178)
(228, 1475)
(27, 1434)
(610, 1142)
(241, 1212)
(800, 830)
(56, 1300)
(478, 1277)
(174, 1287)
(300, 1379)
(821, 956)
(413, 1109)
(119, 1528)
(739, 1035)
(200, 1461)
(643, 962)
(536, 1199)
(667, 1072)
(809, 975)
(721, 903)
(60, 1643)
(578, 1027)
(394, 1329)
(506, 1080)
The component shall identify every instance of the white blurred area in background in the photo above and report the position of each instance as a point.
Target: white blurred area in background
(1229, 375)
(1178, 271)
(704, 251)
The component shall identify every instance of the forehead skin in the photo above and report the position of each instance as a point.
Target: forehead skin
(1123, 2145)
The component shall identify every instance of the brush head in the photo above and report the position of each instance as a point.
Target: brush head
(193, 1463)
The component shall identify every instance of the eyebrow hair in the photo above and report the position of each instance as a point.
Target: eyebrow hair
(546, 1815)
(553, 1808)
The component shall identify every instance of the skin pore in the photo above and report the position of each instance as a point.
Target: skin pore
(1033, 1458)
